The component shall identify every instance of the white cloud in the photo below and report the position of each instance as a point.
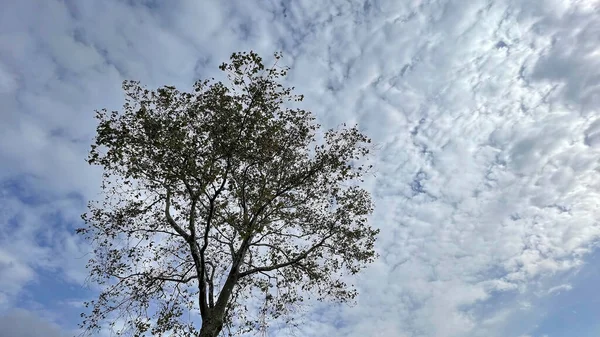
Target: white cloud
(37, 234)
(25, 323)
(560, 288)
(487, 177)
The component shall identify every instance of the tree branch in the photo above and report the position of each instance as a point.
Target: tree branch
(295, 260)
(201, 251)
(170, 219)
(211, 285)
(284, 190)
(181, 280)
(190, 239)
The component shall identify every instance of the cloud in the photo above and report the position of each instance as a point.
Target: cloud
(24, 323)
(560, 288)
(37, 234)
(565, 62)
(486, 182)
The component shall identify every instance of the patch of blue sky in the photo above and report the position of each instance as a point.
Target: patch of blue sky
(574, 310)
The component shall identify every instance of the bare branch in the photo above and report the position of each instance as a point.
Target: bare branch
(170, 220)
(180, 280)
(293, 261)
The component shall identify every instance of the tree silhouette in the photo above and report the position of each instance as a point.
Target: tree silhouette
(216, 197)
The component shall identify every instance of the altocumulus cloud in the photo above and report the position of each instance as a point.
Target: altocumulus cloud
(485, 113)
(23, 323)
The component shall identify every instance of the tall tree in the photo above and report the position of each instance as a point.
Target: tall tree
(220, 195)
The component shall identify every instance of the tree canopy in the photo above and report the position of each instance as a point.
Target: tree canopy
(220, 198)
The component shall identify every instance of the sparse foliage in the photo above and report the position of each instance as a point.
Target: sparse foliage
(219, 195)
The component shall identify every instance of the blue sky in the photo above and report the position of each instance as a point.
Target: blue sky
(486, 113)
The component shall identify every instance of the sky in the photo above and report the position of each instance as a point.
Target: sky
(485, 113)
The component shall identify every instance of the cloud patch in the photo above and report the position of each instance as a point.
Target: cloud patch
(24, 323)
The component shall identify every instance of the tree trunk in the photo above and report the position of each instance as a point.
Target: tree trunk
(213, 324)
(211, 327)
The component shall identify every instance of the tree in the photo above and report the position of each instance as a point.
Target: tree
(220, 195)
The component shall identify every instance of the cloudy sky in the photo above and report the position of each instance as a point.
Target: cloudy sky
(486, 112)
